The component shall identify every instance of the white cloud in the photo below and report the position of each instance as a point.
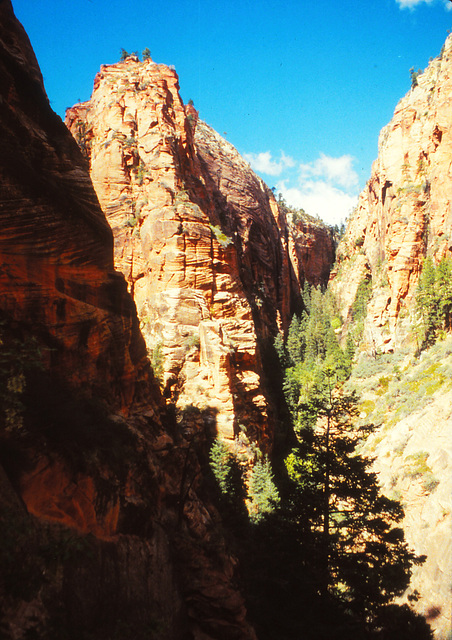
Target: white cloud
(337, 171)
(411, 4)
(327, 187)
(319, 197)
(263, 163)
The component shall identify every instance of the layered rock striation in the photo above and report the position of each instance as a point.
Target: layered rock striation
(102, 528)
(404, 213)
(201, 242)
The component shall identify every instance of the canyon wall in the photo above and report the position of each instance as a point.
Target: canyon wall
(102, 527)
(404, 212)
(403, 215)
(199, 237)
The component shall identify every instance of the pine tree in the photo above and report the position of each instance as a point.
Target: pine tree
(220, 462)
(361, 554)
(262, 491)
(146, 54)
(434, 301)
(295, 340)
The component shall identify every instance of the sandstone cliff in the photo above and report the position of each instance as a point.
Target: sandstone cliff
(102, 530)
(404, 215)
(404, 212)
(202, 243)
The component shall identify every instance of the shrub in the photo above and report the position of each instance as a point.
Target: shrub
(157, 359)
(192, 341)
(221, 237)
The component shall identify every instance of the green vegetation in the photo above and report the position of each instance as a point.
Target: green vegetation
(157, 359)
(125, 54)
(262, 491)
(311, 348)
(192, 342)
(228, 476)
(359, 312)
(81, 137)
(262, 496)
(322, 551)
(221, 237)
(359, 554)
(146, 54)
(221, 462)
(434, 301)
(414, 76)
(141, 173)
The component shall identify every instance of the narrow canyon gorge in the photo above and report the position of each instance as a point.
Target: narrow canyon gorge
(146, 276)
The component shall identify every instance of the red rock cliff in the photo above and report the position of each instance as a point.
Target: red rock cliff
(207, 254)
(199, 238)
(404, 213)
(102, 530)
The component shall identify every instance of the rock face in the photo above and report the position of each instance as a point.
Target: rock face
(102, 529)
(201, 242)
(312, 249)
(404, 213)
(410, 399)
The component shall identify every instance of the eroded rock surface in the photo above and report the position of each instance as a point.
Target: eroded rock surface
(412, 452)
(404, 213)
(102, 528)
(200, 240)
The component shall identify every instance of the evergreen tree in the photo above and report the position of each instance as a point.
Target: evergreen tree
(146, 54)
(434, 300)
(427, 302)
(361, 555)
(296, 343)
(228, 473)
(220, 459)
(262, 491)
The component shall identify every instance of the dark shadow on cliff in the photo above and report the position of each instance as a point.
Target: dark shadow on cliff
(282, 568)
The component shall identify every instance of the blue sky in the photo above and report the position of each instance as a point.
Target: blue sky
(301, 88)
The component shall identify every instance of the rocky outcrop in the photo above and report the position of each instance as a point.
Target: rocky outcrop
(404, 213)
(200, 240)
(312, 249)
(102, 529)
